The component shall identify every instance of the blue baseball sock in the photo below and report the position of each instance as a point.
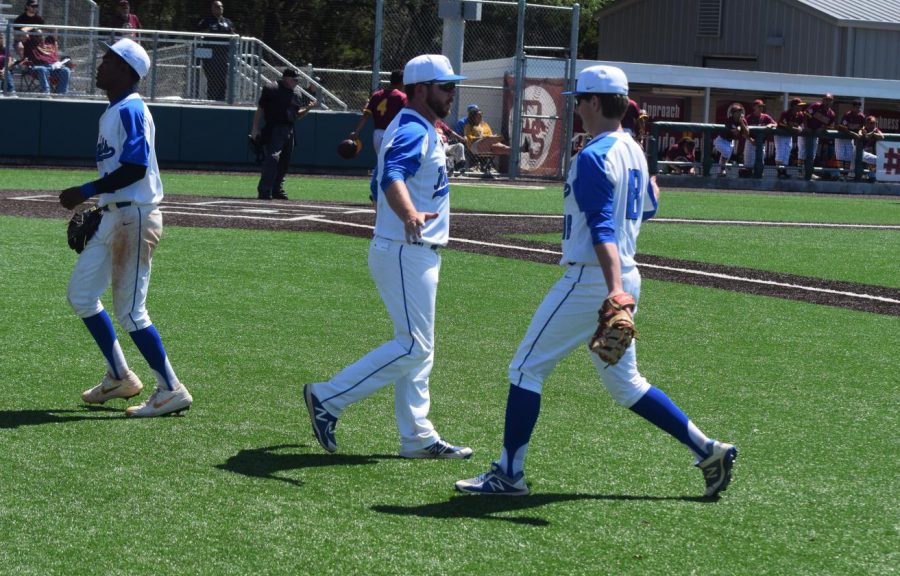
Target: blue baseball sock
(656, 407)
(101, 328)
(149, 343)
(522, 410)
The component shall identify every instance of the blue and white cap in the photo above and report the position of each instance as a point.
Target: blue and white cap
(429, 68)
(601, 79)
(132, 53)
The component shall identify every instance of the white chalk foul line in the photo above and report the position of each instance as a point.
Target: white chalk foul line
(658, 267)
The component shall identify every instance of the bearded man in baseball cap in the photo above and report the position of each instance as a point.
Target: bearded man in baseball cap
(412, 222)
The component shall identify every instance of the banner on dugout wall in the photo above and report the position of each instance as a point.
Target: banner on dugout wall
(541, 97)
(888, 163)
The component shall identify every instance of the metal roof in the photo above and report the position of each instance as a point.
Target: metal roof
(863, 13)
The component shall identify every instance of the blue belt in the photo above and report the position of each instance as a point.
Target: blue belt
(107, 208)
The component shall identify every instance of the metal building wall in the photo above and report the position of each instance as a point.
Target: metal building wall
(780, 36)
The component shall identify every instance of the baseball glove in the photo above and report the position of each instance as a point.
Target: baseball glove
(616, 329)
(82, 227)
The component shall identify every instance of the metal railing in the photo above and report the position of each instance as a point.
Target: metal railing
(708, 132)
(185, 66)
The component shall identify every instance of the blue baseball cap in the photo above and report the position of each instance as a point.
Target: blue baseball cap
(472, 107)
(601, 79)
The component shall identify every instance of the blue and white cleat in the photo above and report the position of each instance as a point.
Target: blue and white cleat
(440, 450)
(494, 483)
(717, 467)
(323, 423)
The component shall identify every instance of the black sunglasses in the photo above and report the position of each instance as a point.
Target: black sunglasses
(444, 86)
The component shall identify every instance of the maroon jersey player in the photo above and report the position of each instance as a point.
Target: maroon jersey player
(382, 107)
(819, 116)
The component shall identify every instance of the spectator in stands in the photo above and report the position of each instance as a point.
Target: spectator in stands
(735, 128)
(791, 120)
(454, 147)
(871, 134)
(850, 127)
(29, 20)
(756, 118)
(42, 59)
(481, 140)
(216, 66)
(682, 151)
(819, 117)
(123, 18)
(6, 74)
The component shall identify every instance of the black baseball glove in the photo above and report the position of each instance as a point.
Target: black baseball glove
(82, 227)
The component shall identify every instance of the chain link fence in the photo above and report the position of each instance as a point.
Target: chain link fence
(482, 39)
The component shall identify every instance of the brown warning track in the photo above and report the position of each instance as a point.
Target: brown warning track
(485, 235)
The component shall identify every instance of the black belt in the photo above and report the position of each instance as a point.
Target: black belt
(107, 208)
(432, 246)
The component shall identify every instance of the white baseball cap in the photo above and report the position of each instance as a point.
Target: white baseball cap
(133, 53)
(601, 80)
(429, 68)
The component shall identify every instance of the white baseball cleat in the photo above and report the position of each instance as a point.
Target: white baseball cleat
(440, 450)
(110, 388)
(162, 402)
(494, 483)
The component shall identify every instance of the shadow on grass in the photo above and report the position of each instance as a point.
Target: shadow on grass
(16, 418)
(267, 462)
(487, 507)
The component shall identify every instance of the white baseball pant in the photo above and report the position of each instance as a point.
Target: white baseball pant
(119, 254)
(783, 145)
(565, 320)
(407, 279)
(724, 147)
(844, 150)
(801, 148)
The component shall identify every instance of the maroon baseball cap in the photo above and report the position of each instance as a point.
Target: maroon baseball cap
(798, 102)
(758, 102)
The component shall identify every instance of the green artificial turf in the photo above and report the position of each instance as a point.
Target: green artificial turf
(239, 485)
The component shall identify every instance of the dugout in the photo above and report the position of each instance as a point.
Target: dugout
(63, 132)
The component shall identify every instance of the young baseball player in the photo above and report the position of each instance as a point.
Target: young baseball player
(757, 117)
(850, 126)
(726, 141)
(411, 223)
(129, 192)
(607, 195)
(791, 120)
(818, 116)
(383, 107)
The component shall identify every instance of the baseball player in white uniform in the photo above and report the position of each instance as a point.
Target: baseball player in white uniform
(411, 224)
(607, 194)
(129, 192)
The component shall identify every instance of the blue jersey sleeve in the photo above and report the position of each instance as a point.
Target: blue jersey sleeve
(649, 200)
(403, 156)
(135, 148)
(594, 194)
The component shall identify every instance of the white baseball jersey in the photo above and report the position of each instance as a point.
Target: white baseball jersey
(606, 196)
(127, 134)
(413, 151)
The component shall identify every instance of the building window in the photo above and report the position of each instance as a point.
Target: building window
(709, 18)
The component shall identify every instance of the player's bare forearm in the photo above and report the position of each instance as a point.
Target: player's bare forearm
(654, 187)
(359, 125)
(608, 255)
